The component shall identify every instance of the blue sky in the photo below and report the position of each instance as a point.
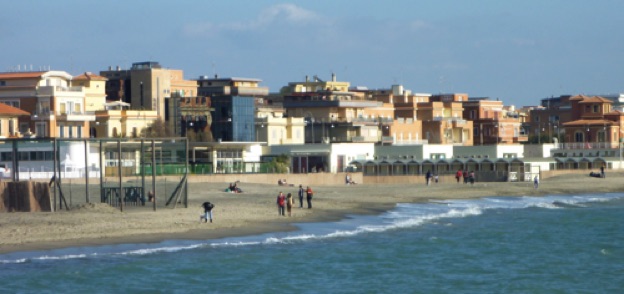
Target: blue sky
(517, 51)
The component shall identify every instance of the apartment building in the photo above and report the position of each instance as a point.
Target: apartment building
(57, 108)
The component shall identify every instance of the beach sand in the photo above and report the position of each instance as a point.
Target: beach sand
(252, 212)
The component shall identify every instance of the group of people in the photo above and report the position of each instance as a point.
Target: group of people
(283, 182)
(233, 188)
(469, 177)
(429, 177)
(286, 203)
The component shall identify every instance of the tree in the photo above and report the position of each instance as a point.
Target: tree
(158, 129)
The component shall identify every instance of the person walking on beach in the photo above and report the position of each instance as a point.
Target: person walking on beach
(207, 211)
(428, 177)
(301, 192)
(536, 182)
(465, 175)
(281, 202)
(602, 172)
(309, 195)
(471, 177)
(289, 204)
(458, 175)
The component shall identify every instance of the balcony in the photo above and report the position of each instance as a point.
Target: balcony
(587, 145)
(75, 116)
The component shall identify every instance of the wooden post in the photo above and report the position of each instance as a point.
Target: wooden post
(86, 155)
(154, 172)
(121, 195)
(101, 153)
(53, 180)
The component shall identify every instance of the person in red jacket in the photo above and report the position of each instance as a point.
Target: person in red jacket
(309, 195)
(281, 204)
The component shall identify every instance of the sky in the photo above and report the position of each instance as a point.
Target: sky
(515, 51)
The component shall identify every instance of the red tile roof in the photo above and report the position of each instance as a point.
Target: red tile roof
(90, 76)
(8, 110)
(589, 122)
(21, 75)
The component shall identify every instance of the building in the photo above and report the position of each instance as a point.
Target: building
(9, 117)
(57, 108)
(149, 86)
(234, 103)
(494, 123)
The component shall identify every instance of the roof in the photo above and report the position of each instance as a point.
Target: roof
(11, 111)
(90, 77)
(21, 75)
(589, 122)
(595, 99)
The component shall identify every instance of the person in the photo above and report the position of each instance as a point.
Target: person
(465, 175)
(602, 172)
(207, 211)
(289, 204)
(458, 175)
(309, 195)
(471, 177)
(301, 192)
(428, 177)
(279, 182)
(348, 179)
(281, 203)
(535, 182)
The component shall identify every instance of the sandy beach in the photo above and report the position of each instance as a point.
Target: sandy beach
(252, 212)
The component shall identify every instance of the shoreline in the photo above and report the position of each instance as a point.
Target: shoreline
(252, 212)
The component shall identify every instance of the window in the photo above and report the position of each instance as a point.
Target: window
(596, 108)
(63, 108)
(61, 131)
(71, 131)
(2, 83)
(14, 103)
(510, 155)
(578, 137)
(40, 129)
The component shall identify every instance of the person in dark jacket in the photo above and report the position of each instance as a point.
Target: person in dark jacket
(207, 211)
(301, 192)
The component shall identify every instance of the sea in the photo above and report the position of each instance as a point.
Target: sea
(549, 244)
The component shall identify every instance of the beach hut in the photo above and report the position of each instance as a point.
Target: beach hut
(442, 167)
(384, 168)
(399, 167)
(414, 167)
(472, 164)
(427, 165)
(487, 164)
(457, 164)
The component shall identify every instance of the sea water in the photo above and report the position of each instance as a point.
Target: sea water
(552, 244)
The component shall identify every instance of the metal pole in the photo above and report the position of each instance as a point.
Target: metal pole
(121, 194)
(154, 173)
(86, 155)
(186, 173)
(142, 162)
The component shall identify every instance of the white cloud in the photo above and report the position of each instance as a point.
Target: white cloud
(289, 13)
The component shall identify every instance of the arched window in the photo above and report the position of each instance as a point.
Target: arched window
(578, 137)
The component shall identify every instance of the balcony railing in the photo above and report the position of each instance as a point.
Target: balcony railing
(587, 145)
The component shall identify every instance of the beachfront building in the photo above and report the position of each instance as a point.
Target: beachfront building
(195, 118)
(333, 114)
(57, 108)
(406, 128)
(149, 86)
(443, 121)
(493, 123)
(9, 118)
(273, 128)
(234, 103)
(318, 158)
(117, 121)
(594, 126)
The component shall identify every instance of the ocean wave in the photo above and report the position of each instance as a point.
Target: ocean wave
(405, 215)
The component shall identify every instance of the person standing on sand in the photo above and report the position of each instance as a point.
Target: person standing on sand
(289, 204)
(281, 202)
(458, 175)
(602, 172)
(301, 192)
(465, 175)
(535, 182)
(207, 211)
(428, 177)
(309, 195)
